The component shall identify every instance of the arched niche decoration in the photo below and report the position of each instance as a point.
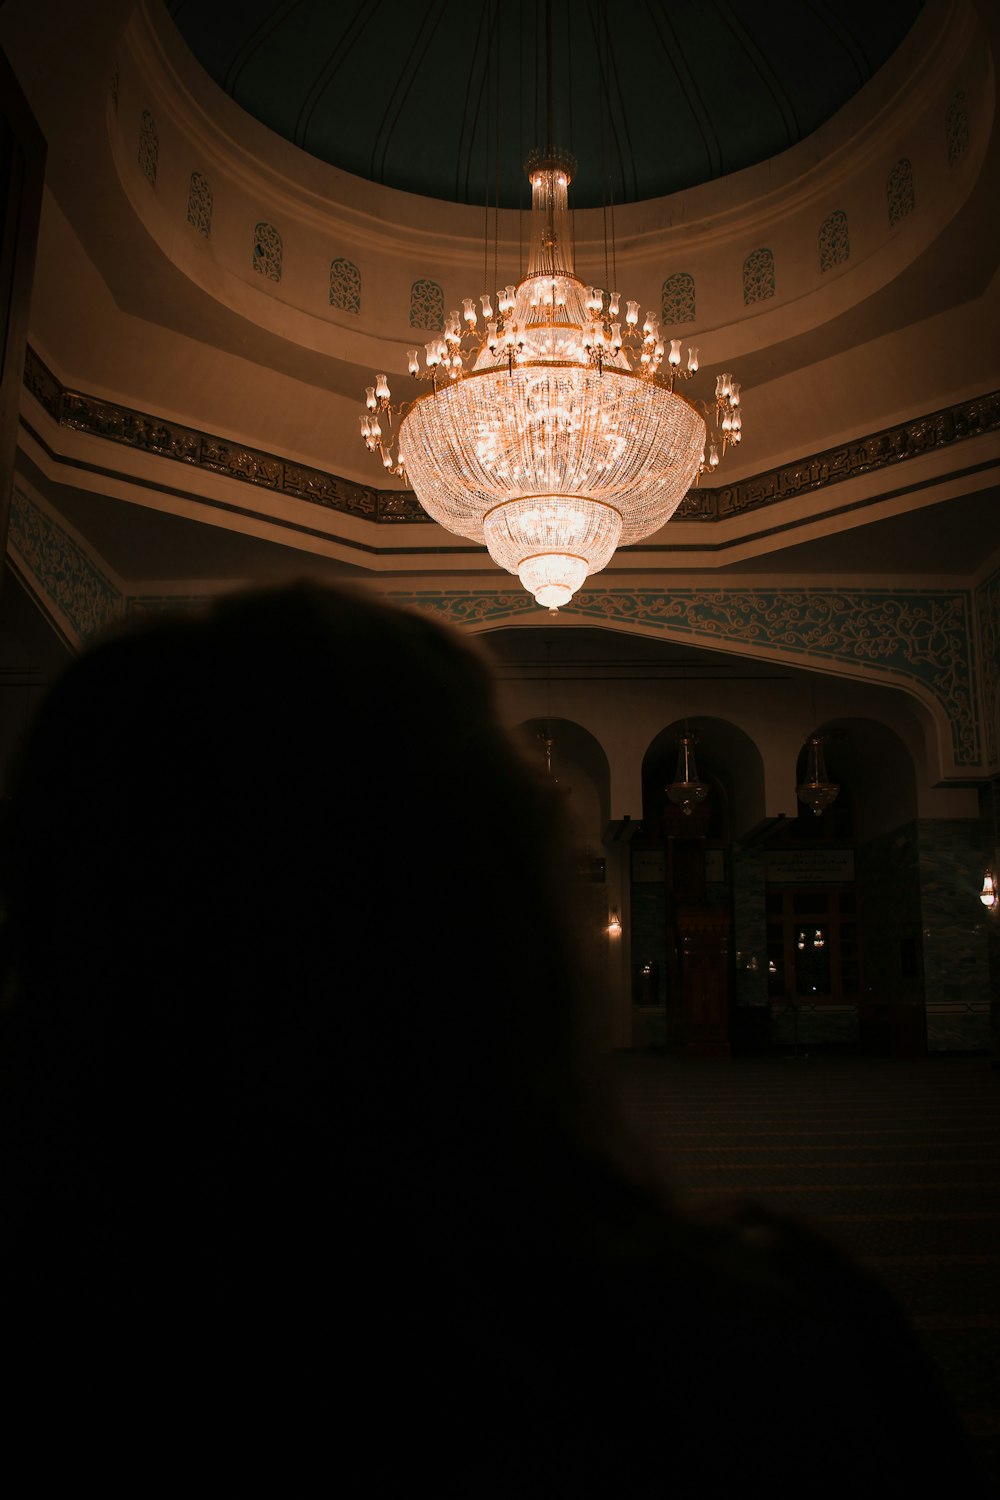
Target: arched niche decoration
(149, 147)
(900, 194)
(199, 205)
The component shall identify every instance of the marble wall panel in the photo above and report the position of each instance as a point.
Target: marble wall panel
(955, 935)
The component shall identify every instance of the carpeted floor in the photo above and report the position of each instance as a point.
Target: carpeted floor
(897, 1161)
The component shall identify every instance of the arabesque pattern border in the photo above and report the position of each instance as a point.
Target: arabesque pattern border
(61, 569)
(921, 636)
(168, 439)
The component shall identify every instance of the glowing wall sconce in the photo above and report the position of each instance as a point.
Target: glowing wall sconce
(614, 925)
(988, 895)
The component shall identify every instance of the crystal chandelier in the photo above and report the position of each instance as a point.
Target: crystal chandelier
(817, 790)
(552, 431)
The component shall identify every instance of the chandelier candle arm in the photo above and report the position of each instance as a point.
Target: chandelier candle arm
(549, 433)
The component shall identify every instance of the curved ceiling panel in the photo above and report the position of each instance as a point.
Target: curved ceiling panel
(447, 98)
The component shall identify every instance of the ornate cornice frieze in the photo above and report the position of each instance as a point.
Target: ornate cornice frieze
(922, 637)
(216, 455)
(200, 450)
(62, 571)
(892, 445)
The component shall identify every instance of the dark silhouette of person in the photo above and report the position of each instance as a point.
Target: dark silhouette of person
(302, 1132)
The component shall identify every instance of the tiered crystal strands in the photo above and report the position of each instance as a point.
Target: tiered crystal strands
(555, 435)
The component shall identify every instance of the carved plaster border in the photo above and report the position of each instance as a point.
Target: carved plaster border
(65, 574)
(216, 455)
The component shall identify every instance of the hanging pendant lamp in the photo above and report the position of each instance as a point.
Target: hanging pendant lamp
(686, 791)
(817, 790)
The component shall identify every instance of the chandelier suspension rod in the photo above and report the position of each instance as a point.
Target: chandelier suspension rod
(550, 143)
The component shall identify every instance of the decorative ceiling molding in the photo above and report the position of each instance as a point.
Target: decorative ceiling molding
(216, 455)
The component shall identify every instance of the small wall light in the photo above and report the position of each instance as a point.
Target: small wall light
(614, 925)
(988, 894)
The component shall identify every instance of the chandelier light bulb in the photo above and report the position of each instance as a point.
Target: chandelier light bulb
(555, 438)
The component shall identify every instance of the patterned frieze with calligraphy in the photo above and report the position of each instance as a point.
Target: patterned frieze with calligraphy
(172, 440)
(326, 489)
(42, 384)
(400, 505)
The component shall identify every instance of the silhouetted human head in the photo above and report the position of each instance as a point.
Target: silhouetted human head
(286, 928)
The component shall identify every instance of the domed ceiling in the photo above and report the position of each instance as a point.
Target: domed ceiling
(448, 98)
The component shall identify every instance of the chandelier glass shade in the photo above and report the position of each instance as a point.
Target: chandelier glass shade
(555, 435)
